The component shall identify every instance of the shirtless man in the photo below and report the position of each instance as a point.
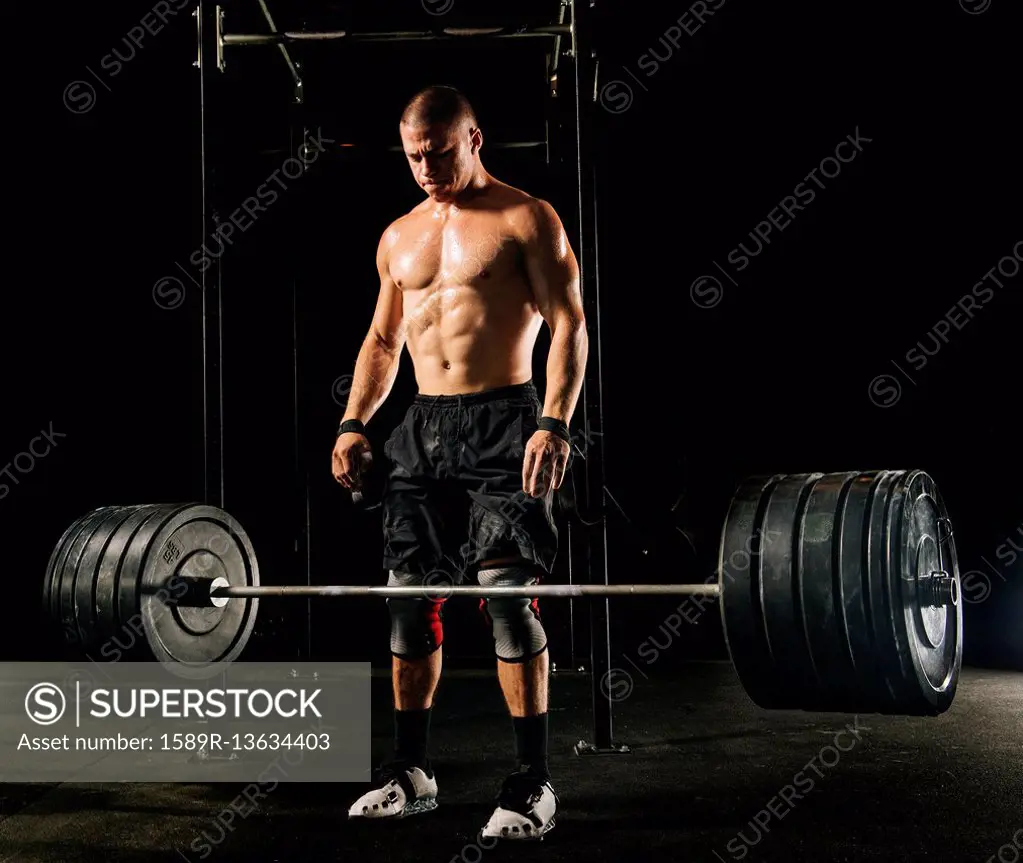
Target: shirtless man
(466, 280)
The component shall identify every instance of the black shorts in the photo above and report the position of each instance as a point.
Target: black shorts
(454, 493)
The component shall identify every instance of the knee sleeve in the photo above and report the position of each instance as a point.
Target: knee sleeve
(417, 628)
(515, 621)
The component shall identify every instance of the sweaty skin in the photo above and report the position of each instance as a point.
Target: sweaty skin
(469, 316)
(467, 278)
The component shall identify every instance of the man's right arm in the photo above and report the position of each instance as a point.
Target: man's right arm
(377, 364)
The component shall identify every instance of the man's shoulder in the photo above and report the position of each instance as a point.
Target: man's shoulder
(405, 219)
(524, 211)
(512, 198)
(392, 233)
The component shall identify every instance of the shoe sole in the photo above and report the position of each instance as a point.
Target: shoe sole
(532, 836)
(416, 807)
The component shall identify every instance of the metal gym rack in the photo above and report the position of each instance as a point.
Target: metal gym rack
(573, 23)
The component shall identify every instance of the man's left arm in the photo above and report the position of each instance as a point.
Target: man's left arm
(553, 274)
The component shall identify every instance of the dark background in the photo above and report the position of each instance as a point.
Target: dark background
(775, 377)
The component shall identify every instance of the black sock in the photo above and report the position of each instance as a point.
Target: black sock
(531, 743)
(411, 734)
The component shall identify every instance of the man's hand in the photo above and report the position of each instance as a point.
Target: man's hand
(545, 462)
(351, 458)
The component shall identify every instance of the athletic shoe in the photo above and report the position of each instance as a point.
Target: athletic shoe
(403, 790)
(525, 808)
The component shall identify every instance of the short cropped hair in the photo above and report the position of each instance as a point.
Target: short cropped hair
(438, 105)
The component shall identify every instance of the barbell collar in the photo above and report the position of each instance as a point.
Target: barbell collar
(938, 589)
(442, 590)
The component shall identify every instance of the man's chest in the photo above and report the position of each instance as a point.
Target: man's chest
(465, 252)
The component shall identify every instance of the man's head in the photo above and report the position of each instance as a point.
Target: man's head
(441, 139)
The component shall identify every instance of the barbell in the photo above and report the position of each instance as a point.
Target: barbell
(837, 592)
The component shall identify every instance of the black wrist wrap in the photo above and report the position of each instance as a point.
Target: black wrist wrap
(556, 426)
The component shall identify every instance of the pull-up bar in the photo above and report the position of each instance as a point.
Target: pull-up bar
(292, 37)
(295, 36)
(397, 36)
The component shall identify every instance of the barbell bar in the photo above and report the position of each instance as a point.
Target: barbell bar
(941, 589)
(443, 590)
(837, 592)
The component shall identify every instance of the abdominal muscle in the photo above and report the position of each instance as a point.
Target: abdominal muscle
(462, 341)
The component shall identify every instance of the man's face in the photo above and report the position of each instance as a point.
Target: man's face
(442, 158)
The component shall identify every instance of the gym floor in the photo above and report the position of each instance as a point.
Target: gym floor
(710, 777)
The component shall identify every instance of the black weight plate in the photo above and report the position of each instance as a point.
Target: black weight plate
(53, 572)
(58, 560)
(879, 586)
(825, 609)
(115, 634)
(897, 664)
(739, 561)
(780, 585)
(68, 563)
(88, 616)
(930, 638)
(822, 600)
(130, 639)
(199, 541)
(854, 570)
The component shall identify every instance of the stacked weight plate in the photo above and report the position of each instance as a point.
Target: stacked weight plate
(117, 584)
(828, 594)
